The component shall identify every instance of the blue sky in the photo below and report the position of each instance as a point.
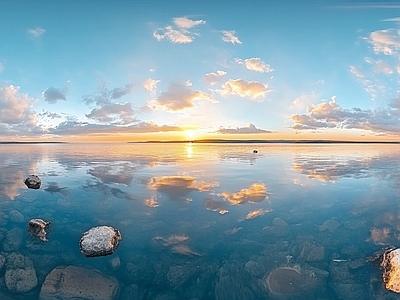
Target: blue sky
(143, 70)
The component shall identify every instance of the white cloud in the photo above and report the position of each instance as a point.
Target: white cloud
(180, 34)
(385, 41)
(229, 36)
(53, 94)
(331, 115)
(36, 32)
(255, 64)
(213, 78)
(251, 89)
(184, 22)
(113, 113)
(380, 66)
(15, 108)
(249, 129)
(72, 127)
(356, 72)
(151, 85)
(180, 96)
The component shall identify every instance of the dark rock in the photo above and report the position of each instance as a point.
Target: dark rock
(37, 227)
(33, 182)
(78, 283)
(100, 241)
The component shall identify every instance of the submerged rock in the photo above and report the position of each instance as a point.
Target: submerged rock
(295, 283)
(20, 276)
(37, 227)
(78, 283)
(13, 239)
(33, 182)
(100, 241)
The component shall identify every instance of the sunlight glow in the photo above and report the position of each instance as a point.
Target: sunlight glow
(190, 133)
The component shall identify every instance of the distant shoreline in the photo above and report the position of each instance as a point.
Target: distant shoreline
(221, 141)
(29, 143)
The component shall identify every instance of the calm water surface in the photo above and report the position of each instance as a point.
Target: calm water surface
(208, 221)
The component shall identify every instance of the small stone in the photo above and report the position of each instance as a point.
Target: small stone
(255, 151)
(115, 263)
(33, 182)
(37, 227)
(312, 252)
(100, 241)
(253, 268)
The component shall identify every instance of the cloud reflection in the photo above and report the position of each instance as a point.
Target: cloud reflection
(214, 205)
(121, 174)
(54, 188)
(255, 193)
(257, 213)
(178, 187)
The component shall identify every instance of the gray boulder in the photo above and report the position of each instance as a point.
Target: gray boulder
(100, 241)
(20, 276)
(33, 182)
(71, 283)
(37, 227)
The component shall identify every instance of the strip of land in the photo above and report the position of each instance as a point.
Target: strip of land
(223, 141)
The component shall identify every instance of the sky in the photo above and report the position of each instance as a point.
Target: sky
(135, 70)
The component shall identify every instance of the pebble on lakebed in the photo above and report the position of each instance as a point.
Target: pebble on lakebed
(100, 241)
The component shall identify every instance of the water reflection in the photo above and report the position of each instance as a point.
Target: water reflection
(333, 206)
(178, 187)
(255, 193)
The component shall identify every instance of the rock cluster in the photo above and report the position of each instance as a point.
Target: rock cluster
(33, 182)
(100, 241)
(391, 267)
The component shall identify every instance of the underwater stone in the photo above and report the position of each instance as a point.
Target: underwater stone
(78, 283)
(33, 182)
(13, 239)
(391, 270)
(37, 227)
(100, 241)
(284, 282)
(20, 276)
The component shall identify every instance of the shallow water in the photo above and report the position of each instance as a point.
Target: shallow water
(208, 221)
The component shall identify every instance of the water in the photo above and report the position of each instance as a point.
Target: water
(208, 221)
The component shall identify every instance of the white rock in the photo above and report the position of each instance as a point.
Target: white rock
(100, 241)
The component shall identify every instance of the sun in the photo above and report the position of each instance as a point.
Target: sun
(190, 134)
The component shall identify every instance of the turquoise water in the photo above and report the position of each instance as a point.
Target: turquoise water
(207, 221)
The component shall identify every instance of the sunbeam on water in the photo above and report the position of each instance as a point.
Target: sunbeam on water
(197, 221)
